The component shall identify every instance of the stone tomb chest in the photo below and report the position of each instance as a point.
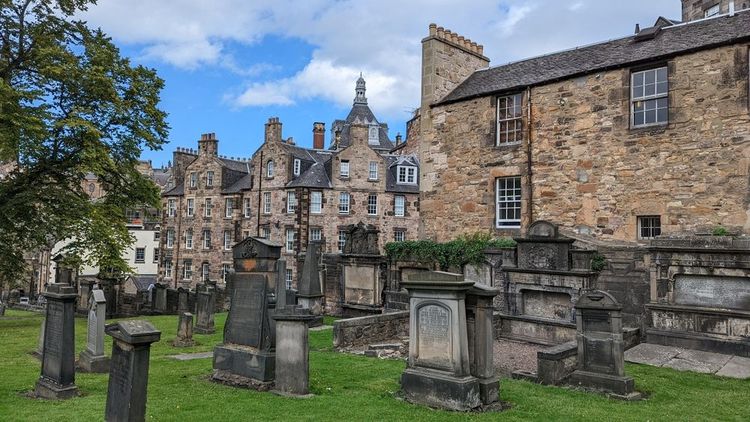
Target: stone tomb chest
(362, 270)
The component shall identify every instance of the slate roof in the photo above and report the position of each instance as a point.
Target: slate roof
(244, 183)
(361, 113)
(175, 191)
(670, 41)
(392, 162)
(143, 281)
(314, 172)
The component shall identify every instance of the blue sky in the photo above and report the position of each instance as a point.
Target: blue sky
(230, 64)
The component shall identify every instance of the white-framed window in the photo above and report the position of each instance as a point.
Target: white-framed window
(399, 205)
(204, 271)
(193, 180)
(712, 11)
(344, 203)
(296, 167)
(649, 226)
(189, 239)
(265, 232)
(373, 136)
(225, 268)
(168, 268)
(266, 202)
(649, 97)
(509, 119)
(187, 269)
(208, 204)
(407, 175)
(228, 207)
(140, 255)
(156, 256)
(290, 240)
(190, 207)
(316, 233)
(206, 239)
(171, 207)
(372, 204)
(269, 168)
(316, 202)
(227, 240)
(247, 211)
(288, 278)
(157, 235)
(373, 173)
(399, 235)
(170, 238)
(291, 202)
(508, 202)
(344, 168)
(342, 240)
(209, 179)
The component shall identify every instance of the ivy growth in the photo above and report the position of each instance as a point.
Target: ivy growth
(466, 249)
(598, 262)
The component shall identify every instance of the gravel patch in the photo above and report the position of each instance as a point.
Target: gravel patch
(514, 355)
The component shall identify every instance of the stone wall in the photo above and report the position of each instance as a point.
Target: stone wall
(362, 331)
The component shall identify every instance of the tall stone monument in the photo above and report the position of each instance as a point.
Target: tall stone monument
(438, 371)
(309, 295)
(247, 356)
(58, 353)
(128, 374)
(92, 359)
(601, 362)
(363, 271)
(204, 306)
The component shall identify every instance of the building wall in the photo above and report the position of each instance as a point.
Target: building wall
(696, 9)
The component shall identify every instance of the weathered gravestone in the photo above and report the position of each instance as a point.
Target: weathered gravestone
(362, 270)
(58, 353)
(159, 301)
(40, 343)
(481, 340)
(438, 371)
(128, 374)
(182, 300)
(92, 359)
(292, 356)
(204, 307)
(184, 331)
(309, 295)
(601, 363)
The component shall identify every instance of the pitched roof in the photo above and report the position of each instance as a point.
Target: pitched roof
(313, 174)
(175, 191)
(361, 114)
(243, 183)
(670, 41)
(142, 281)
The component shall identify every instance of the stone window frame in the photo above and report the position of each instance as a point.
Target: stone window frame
(344, 169)
(344, 203)
(398, 232)
(193, 180)
(409, 174)
(319, 231)
(372, 204)
(341, 240)
(656, 97)
(187, 269)
(227, 240)
(171, 207)
(206, 238)
(316, 207)
(266, 202)
(209, 179)
(502, 117)
(373, 171)
(140, 255)
(289, 240)
(270, 169)
(396, 206)
(167, 268)
(247, 209)
(650, 224)
(169, 238)
(205, 271)
(296, 166)
(190, 207)
(291, 202)
(207, 206)
(506, 201)
(189, 239)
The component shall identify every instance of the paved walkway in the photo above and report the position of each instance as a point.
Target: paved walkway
(689, 360)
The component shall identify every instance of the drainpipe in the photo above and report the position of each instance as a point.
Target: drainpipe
(260, 192)
(529, 171)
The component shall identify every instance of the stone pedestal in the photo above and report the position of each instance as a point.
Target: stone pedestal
(204, 307)
(128, 375)
(438, 372)
(58, 353)
(292, 357)
(184, 331)
(92, 359)
(481, 339)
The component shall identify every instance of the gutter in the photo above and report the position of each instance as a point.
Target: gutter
(529, 169)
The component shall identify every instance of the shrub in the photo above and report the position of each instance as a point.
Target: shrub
(466, 249)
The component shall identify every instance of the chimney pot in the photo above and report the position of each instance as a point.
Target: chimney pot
(433, 29)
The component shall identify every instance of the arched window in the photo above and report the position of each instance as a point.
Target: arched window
(269, 169)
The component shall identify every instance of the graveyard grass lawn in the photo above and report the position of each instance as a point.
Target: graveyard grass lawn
(346, 387)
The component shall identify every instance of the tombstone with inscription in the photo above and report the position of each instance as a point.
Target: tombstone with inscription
(204, 306)
(247, 356)
(92, 359)
(601, 363)
(128, 373)
(58, 354)
(184, 331)
(438, 371)
(182, 300)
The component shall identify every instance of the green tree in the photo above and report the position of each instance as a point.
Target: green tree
(70, 105)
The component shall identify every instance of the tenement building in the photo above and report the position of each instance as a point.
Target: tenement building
(622, 140)
(288, 194)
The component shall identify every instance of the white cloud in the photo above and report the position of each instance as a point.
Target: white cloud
(187, 55)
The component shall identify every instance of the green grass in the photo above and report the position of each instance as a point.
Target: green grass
(346, 387)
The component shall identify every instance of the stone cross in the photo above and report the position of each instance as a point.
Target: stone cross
(204, 306)
(184, 331)
(57, 380)
(92, 359)
(292, 356)
(128, 374)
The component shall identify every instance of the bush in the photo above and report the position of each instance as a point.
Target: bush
(467, 249)
(720, 231)
(598, 262)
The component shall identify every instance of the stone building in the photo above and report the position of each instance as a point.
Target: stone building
(618, 141)
(288, 194)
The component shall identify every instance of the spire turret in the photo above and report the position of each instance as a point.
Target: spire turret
(360, 98)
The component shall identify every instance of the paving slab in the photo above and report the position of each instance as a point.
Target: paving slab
(192, 356)
(698, 361)
(737, 367)
(651, 354)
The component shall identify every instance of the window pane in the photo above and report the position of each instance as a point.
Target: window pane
(649, 77)
(661, 74)
(649, 89)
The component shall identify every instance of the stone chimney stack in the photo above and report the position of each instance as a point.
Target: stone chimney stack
(319, 135)
(273, 130)
(208, 145)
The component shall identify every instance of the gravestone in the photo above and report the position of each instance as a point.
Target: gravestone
(184, 331)
(40, 343)
(438, 371)
(204, 307)
(363, 271)
(160, 298)
(182, 300)
(2, 309)
(481, 339)
(601, 363)
(309, 294)
(92, 359)
(128, 373)
(281, 290)
(58, 353)
(292, 355)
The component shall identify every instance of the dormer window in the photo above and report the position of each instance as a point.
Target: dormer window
(269, 168)
(407, 175)
(373, 137)
(712, 11)
(297, 166)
